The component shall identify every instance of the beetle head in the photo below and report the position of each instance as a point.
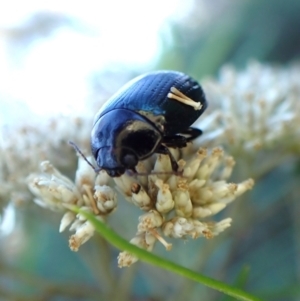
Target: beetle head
(116, 160)
(121, 138)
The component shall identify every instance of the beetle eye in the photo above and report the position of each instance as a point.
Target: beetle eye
(129, 160)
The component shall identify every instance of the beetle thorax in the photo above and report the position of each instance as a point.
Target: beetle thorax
(120, 138)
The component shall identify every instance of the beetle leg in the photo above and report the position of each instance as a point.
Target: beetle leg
(175, 141)
(179, 96)
(165, 151)
(180, 140)
(193, 133)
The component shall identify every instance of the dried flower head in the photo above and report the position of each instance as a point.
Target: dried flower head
(175, 206)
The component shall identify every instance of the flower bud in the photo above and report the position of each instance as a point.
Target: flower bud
(106, 198)
(164, 199)
(140, 197)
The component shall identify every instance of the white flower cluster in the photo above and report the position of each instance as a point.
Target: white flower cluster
(23, 147)
(254, 109)
(177, 206)
(89, 192)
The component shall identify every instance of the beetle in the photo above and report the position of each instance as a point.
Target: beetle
(148, 115)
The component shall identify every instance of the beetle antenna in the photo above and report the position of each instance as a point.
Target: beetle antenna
(83, 156)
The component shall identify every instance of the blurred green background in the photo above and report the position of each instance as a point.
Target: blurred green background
(260, 252)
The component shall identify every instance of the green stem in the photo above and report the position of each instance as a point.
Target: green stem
(146, 256)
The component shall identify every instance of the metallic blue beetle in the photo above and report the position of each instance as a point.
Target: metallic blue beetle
(149, 114)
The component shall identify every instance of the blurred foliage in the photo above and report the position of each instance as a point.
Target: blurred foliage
(265, 232)
(232, 31)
